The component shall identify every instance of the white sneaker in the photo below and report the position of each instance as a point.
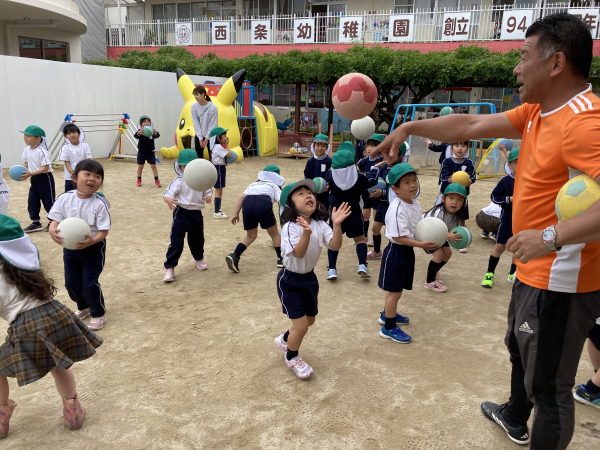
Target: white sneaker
(220, 215)
(300, 368)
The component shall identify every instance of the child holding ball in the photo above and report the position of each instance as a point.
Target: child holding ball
(84, 265)
(398, 262)
(319, 164)
(220, 150)
(256, 204)
(73, 152)
(187, 206)
(365, 165)
(146, 150)
(303, 235)
(43, 335)
(503, 195)
(451, 211)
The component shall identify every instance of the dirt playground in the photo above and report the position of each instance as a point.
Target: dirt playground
(192, 364)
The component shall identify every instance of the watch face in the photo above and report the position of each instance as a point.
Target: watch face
(548, 235)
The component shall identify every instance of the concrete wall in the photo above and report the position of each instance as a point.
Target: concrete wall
(93, 42)
(43, 92)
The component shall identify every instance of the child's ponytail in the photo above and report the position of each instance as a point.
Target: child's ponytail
(29, 284)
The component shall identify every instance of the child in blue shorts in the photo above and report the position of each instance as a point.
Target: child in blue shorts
(503, 195)
(220, 150)
(346, 185)
(256, 204)
(398, 262)
(319, 164)
(364, 166)
(303, 235)
(146, 150)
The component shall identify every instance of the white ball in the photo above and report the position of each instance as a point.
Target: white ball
(363, 128)
(72, 230)
(432, 229)
(200, 175)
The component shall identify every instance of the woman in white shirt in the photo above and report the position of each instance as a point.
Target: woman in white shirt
(205, 116)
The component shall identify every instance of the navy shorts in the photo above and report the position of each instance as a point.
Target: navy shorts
(368, 201)
(431, 252)
(220, 183)
(505, 229)
(382, 208)
(258, 209)
(323, 198)
(143, 157)
(298, 293)
(397, 268)
(594, 336)
(353, 226)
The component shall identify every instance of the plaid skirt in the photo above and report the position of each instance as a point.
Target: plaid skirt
(487, 222)
(43, 338)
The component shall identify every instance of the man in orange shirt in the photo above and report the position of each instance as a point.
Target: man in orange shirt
(556, 299)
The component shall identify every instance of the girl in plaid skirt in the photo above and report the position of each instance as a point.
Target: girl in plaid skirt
(43, 335)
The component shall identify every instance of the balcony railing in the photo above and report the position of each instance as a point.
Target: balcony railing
(450, 24)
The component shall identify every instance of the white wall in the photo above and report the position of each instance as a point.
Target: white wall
(35, 92)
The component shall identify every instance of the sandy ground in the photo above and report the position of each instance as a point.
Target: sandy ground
(192, 364)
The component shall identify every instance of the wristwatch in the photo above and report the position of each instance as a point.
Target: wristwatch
(549, 238)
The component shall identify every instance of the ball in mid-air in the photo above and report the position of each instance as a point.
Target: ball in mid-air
(508, 143)
(461, 178)
(576, 196)
(432, 229)
(466, 238)
(200, 175)
(446, 110)
(72, 230)
(354, 96)
(320, 185)
(363, 128)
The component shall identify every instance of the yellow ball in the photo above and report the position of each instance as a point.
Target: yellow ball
(292, 151)
(461, 178)
(576, 196)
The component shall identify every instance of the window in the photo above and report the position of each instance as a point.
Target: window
(258, 7)
(401, 6)
(198, 10)
(40, 49)
(184, 11)
(157, 12)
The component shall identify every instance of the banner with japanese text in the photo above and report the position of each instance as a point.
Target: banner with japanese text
(304, 31)
(350, 28)
(401, 28)
(261, 32)
(515, 24)
(456, 26)
(183, 33)
(589, 17)
(220, 33)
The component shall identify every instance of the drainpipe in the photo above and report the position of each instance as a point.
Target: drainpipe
(24, 24)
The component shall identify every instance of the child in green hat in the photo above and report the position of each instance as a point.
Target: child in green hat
(319, 164)
(220, 150)
(364, 166)
(146, 150)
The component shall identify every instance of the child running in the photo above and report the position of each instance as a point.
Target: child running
(187, 206)
(146, 150)
(398, 263)
(319, 164)
(346, 185)
(72, 152)
(303, 235)
(37, 160)
(84, 265)
(44, 336)
(256, 204)
(220, 150)
(364, 166)
(503, 195)
(3, 192)
(451, 212)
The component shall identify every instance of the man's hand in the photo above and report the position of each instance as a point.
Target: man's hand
(390, 146)
(527, 245)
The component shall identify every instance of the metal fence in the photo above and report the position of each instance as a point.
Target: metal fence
(478, 24)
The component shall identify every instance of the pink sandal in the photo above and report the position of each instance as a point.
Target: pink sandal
(73, 413)
(5, 413)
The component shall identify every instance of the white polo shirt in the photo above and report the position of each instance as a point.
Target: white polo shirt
(93, 210)
(74, 154)
(218, 155)
(37, 157)
(186, 197)
(290, 236)
(264, 188)
(402, 218)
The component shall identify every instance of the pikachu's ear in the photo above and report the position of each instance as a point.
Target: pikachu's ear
(231, 88)
(185, 85)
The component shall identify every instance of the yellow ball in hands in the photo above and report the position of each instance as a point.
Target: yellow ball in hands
(461, 178)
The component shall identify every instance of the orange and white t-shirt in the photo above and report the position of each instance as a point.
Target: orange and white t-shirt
(556, 146)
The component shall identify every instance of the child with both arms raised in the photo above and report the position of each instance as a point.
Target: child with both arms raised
(72, 152)
(319, 164)
(146, 149)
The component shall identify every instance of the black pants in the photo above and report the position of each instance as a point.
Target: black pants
(69, 186)
(545, 337)
(200, 150)
(192, 223)
(82, 271)
(41, 190)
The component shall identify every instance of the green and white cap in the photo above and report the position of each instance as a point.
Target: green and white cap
(455, 188)
(271, 177)
(514, 154)
(34, 130)
(398, 171)
(15, 246)
(186, 155)
(287, 191)
(272, 168)
(377, 137)
(321, 138)
(344, 157)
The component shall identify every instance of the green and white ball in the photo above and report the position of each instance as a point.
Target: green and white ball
(73, 230)
(320, 185)
(467, 238)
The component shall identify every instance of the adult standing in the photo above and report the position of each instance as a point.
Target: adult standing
(205, 116)
(556, 299)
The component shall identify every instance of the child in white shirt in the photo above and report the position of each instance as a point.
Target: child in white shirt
(220, 151)
(72, 152)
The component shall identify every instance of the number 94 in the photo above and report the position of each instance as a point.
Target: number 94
(512, 24)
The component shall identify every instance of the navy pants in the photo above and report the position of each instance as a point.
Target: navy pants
(190, 222)
(69, 186)
(41, 190)
(82, 270)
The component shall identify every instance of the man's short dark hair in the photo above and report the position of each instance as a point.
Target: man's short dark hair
(71, 128)
(567, 34)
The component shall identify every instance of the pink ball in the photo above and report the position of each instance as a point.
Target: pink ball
(354, 96)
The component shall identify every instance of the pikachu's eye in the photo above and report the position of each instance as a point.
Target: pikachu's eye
(182, 124)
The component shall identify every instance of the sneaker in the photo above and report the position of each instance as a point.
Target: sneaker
(138, 183)
(493, 411)
(488, 280)
(435, 286)
(300, 368)
(438, 279)
(372, 255)
(280, 343)
(82, 314)
(399, 319)
(169, 275)
(331, 274)
(280, 262)
(583, 396)
(485, 234)
(47, 229)
(363, 271)
(395, 334)
(511, 278)
(370, 242)
(462, 250)
(97, 323)
(73, 413)
(201, 264)
(494, 236)
(232, 262)
(157, 183)
(220, 215)
(35, 226)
